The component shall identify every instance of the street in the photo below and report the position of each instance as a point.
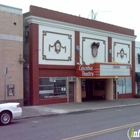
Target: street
(107, 124)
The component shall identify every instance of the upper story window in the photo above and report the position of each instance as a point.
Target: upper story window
(138, 58)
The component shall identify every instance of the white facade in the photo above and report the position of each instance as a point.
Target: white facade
(121, 51)
(85, 48)
(65, 33)
(56, 46)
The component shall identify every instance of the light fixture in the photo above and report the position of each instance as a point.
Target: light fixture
(78, 49)
(110, 52)
(116, 78)
(21, 60)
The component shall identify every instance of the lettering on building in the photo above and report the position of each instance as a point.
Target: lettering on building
(86, 71)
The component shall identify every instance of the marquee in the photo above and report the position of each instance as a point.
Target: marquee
(102, 70)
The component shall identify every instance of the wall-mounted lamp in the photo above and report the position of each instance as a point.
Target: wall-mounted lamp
(21, 60)
(78, 49)
(116, 78)
(78, 63)
(110, 52)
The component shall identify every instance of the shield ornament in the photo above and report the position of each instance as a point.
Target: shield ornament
(94, 48)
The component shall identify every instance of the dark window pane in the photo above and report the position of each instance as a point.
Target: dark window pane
(52, 87)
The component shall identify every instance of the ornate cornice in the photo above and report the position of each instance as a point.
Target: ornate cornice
(74, 27)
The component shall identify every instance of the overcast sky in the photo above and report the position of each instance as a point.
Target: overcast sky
(123, 13)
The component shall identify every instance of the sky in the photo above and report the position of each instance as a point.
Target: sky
(124, 13)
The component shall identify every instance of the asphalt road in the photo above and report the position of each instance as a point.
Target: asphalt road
(107, 124)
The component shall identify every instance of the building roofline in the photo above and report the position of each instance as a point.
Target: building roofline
(6, 6)
(63, 17)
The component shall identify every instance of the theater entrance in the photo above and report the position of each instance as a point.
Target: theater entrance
(93, 89)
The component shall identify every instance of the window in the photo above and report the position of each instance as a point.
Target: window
(124, 85)
(52, 87)
(128, 85)
(138, 58)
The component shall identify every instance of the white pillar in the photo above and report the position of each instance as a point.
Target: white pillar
(78, 93)
(67, 87)
(109, 89)
(136, 87)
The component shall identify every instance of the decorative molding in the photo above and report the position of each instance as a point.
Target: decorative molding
(122, 53)
(115, 43)
(73, 27)
(57, 46)
(44, 57)
(94, 48)
(104, 42)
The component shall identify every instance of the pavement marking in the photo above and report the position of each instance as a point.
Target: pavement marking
(119, 110)
(36, 121)
(102, 131)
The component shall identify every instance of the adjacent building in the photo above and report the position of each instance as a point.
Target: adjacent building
(74, 59)
(137, 64)
(11, 54)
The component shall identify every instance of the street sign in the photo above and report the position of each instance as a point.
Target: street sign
(5, 70)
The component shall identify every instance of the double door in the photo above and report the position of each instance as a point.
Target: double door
(89, 88)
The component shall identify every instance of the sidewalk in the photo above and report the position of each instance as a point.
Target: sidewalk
(64, 108)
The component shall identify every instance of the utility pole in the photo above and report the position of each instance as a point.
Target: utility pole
(5, 73)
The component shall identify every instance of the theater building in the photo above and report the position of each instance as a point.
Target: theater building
(74, 59)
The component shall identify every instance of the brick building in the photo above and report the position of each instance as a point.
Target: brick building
(11, 53)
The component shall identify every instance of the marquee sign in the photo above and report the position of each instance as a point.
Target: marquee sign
(102, 70)
(117, 70)
(85, 70)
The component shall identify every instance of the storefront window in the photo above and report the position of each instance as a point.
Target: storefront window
(138, 87)
(124, 85)
(128, 85)
(52, 87)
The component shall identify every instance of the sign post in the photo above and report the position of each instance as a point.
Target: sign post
(122, 92)
(5, 73)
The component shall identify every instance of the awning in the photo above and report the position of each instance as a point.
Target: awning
(138, 76)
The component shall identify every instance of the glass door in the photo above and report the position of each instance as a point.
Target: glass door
(71, 91)
(114, 89)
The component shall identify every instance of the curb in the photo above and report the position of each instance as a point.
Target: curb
(91, 110)
(74, 112)
(37, 116)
